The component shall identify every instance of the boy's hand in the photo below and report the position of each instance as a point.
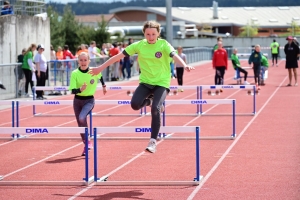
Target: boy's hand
(83, 87)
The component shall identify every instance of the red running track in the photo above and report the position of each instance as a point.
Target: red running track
(261, 163)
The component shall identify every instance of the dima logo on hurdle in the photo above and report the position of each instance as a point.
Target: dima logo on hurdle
(199, 102)
(227, 86)
(51, 102)
(123, 102)
(142, 130)
(36, 130)
(60, 88)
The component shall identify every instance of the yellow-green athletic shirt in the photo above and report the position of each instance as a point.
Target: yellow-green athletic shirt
(78, 78)
(154, 61)
(274, 47)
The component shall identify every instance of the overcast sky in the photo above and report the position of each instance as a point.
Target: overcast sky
(74, 1)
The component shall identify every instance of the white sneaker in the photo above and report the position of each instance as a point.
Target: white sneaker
(246, 83)
(151, 146)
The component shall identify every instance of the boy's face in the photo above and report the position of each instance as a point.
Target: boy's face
(257, 49)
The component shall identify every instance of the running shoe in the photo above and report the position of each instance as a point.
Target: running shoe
(83, 152)
(246, 83)
(151, 146)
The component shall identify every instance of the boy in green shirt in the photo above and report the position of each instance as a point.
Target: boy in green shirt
(237, 66)
(154, 61)
(264, 67)
(274, 51)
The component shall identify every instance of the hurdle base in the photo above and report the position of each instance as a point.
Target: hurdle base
(147, 183)
(43, 183)
(226, 114)
(170, 138)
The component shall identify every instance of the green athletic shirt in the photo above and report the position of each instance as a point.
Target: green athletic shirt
(235, 60)
(274, 47)
(78, 78)
(27, 56)
(154, 61)
(264, 61)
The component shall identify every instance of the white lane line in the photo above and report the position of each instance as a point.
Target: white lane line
(206, 177)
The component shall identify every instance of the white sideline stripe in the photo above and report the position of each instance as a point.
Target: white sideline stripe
(203, 181)
(42, 130)
(227, 86)
(136, 129)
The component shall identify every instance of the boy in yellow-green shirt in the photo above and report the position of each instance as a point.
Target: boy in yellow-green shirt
(274, 51)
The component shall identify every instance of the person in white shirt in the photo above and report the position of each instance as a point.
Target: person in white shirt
(41, 69)
(93, 53)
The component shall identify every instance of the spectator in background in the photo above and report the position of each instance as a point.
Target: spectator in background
(104, 51)
(220, 63)
(115, 66)
(81, 49)
(130, 41)
(274, 51)
(292, 53)
(255, 58)
(59, 53)
(41, 70)
(126, 65)
(28, 67)
(92, 50)
(19, 72)
(263, 69)
(180, 68)
(7, 9)
(67, 55)
(237, 67)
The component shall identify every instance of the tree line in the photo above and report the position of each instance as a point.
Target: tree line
(88, 8)
(66, 30)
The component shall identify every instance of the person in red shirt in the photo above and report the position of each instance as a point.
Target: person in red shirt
(67, 55)
(220, 63)
(115, 67)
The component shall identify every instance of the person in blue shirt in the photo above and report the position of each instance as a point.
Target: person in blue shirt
(7, 9)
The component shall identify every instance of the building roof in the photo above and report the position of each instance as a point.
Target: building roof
(228, 16)
(95, 18)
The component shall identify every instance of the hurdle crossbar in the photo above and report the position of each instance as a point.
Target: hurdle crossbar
(50, 130)
(167, 129)
(66, 88)
(242, 87)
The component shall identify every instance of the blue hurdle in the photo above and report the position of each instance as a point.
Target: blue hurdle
(243, 87)
(50, 130)
(169, 129)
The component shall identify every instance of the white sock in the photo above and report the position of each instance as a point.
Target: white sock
(153, 140)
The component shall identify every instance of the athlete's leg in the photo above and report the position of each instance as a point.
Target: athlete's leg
(139, 98)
